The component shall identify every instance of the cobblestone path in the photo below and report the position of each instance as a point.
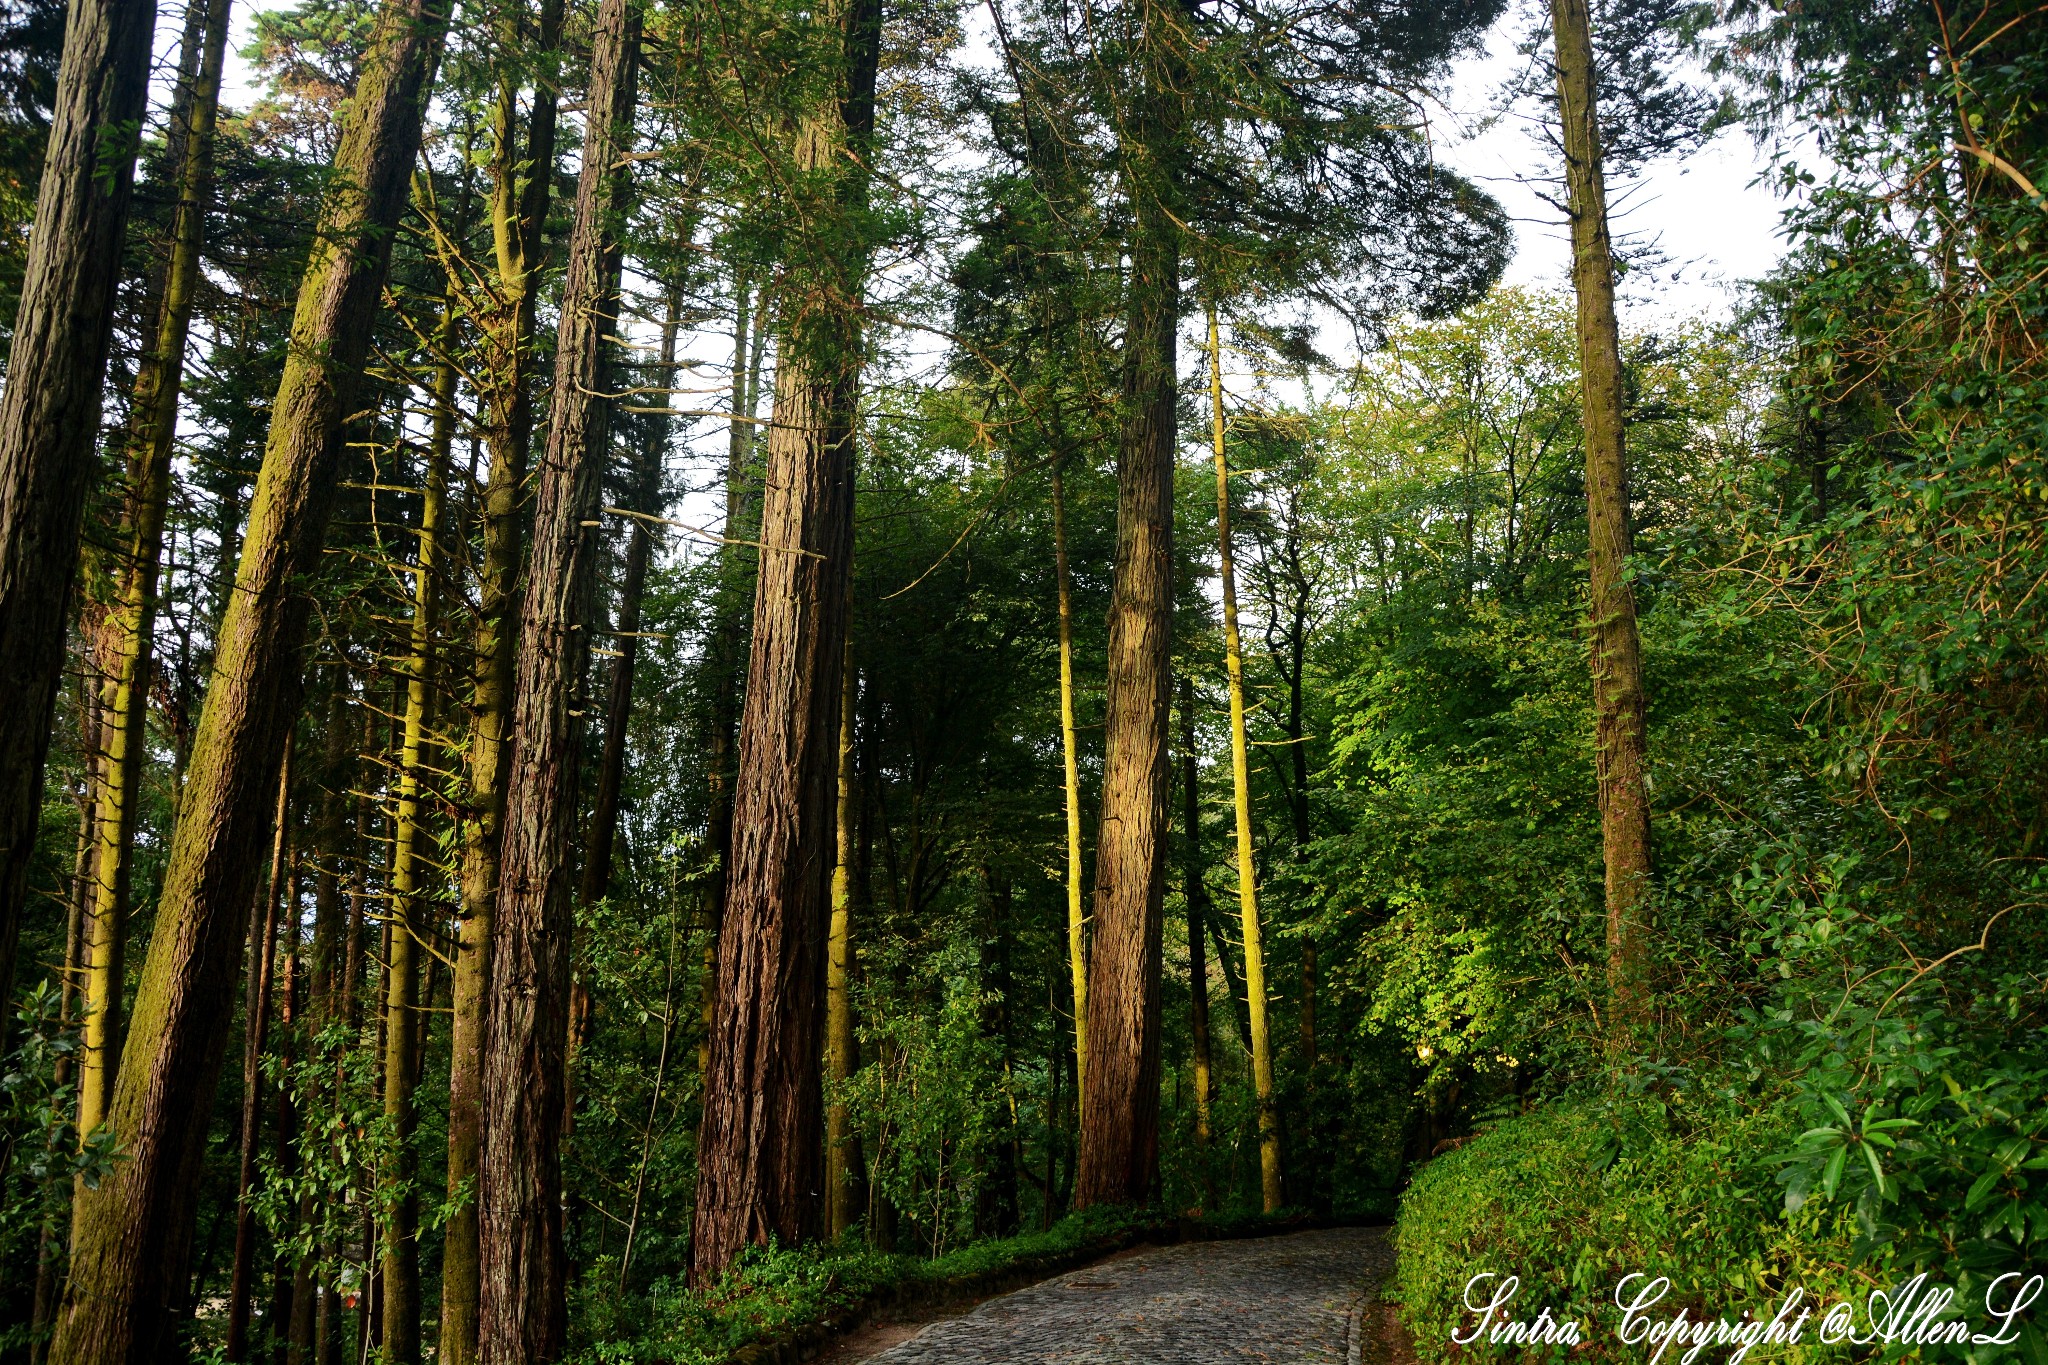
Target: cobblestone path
(1282, 1299)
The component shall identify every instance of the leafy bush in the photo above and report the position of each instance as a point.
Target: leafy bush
(773, 1290)
(1581, 1192)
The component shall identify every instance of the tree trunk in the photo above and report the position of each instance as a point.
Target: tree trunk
(518, 215)
(1196, 897)
(644, 498)
(1241, 785)
(285, 1126)
(842, 1161)
(255, 1030)
(1120, 1094)
(49, 1244)
(760, 1163)
(50, 412)
(523, 1265)
(1620, 741)
(411, 923)
(128, 631)
(1077, 918)
(132, 1235)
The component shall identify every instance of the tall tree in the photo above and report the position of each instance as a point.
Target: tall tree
(50, 412)
(1120, 1094)
(411, 925)
(1241, 794)
(522, 176)
(760, 1155)
(841, 1159)
(523, 1266)
(1620, 739)
(255, 1033)
(1196, 898)
(132, 1234)
(130, 627)
(1070, 761)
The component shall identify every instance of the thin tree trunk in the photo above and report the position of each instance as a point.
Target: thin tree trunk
(644, 498)
(278, 1320)
(1196, 897)
(1077, 918)
(255, 1031)
(518, 215)
(50, 412)
(760, 1159)
(49, 1243)
(524, 1270)
(1119, 1157)
(1620, 741)
(841, 1160)
(1241, 785)
(647, 1136)
(129, 629)
(133, 1234)
(411, 923)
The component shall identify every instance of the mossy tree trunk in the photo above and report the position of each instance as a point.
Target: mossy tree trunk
(842, 1159)
(1620, 739)
(1241, 792)
(521, 177)
(522, 1312)
(127, 632)
(132, 1235)
(1196, 898)
(50, 412)
(412, 924)
(1070, 757)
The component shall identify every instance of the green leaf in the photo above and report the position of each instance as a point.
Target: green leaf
(1832, 1176)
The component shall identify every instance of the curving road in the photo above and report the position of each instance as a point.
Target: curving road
(1300, 1297)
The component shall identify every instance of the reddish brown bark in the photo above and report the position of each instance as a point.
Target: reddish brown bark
(1120, 1092)
(760, 1154)
(522, 1317)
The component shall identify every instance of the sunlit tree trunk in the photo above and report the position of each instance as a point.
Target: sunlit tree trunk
(1241, 787)
(841, 1158)
(127, 631)
(1196, 897)
(518, 209)
(1120, 1094)
(760, 1143)
(1620, 739)
(522, 1314)
(1077, 918)
(132, 1234)
(411, 922)
(50, 412)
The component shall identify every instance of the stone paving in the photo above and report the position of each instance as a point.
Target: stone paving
(1293, 1298)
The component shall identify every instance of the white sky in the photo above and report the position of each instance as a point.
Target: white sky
(1705, 212)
